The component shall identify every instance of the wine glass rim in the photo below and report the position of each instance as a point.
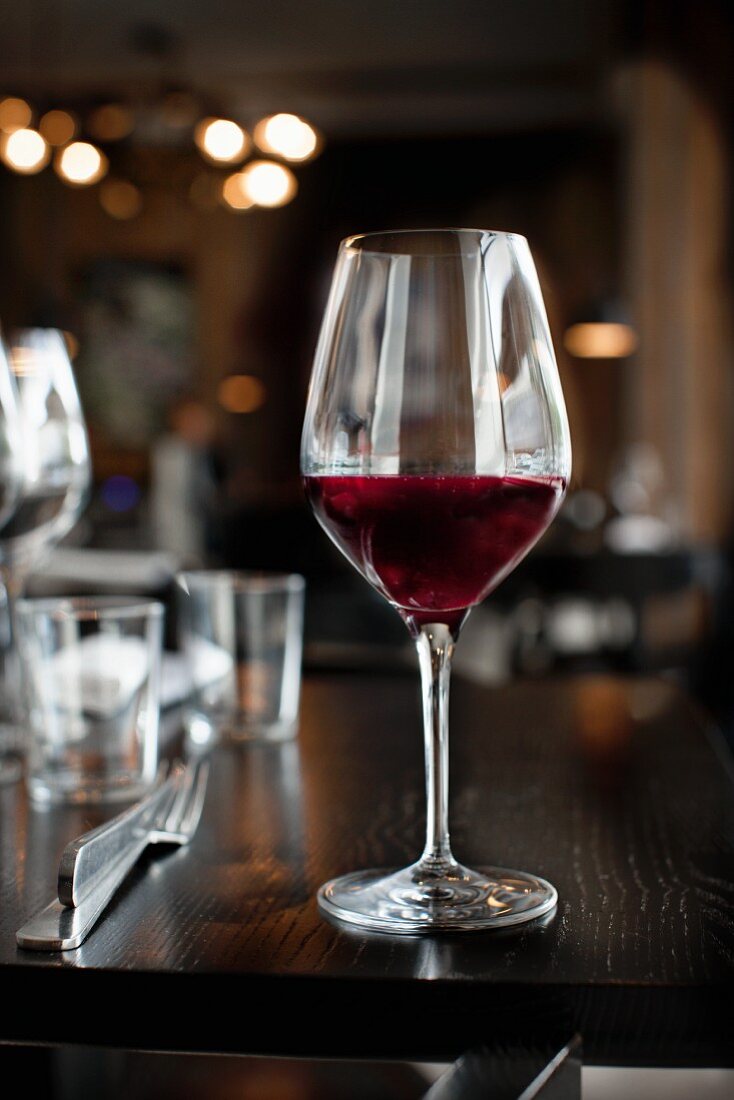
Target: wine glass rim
(354, 242)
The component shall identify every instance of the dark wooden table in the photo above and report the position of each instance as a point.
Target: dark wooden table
(611, 789)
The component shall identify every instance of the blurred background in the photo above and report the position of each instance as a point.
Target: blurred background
(187, 261)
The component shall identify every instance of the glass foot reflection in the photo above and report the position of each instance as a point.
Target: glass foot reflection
(409, 902)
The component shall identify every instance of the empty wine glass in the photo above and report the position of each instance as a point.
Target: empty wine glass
(11, 464)
(56, 474)
(11, 482)
(55, 452)
(435, 453)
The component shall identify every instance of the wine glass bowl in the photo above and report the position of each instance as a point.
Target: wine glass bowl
(11, 464)
(55, 451)
(431, 543)
(11, 485)
(52, 470)
(435, 454)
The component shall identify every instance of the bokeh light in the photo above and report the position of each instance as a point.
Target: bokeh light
(120, 493)
(58, 127)
(24, 151)
(600, 340)
(286, 136)
(120, 199)
(268, 184)
(241, 393)
(221, 140)
(15, 114)
(233, 192)
(81, 164)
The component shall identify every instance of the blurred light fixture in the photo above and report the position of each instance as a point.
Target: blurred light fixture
(221, 140)
(120, 199)
(286, 136)
(15, 114)
(267, 183)
(25, 151)
(81, 164)
(58, 127)
(234, 193)
(241, 393)
(600, 340)
(111, 122)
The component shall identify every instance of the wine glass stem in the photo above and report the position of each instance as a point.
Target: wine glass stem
(435, 646)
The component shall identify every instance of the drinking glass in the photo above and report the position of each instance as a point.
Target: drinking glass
(435, 453)
(11, 481)
(11, 466)
(54, 456)
(242, 634)
(91, 670)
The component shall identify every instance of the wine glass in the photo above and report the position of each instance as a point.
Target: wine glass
(435, 453)
(55, 453)
(56, 474)
(11, 482)
(11, 465)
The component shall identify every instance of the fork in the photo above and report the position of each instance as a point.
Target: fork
(95, 853)
(90, 881)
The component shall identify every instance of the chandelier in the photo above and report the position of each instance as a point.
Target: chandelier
(247, 169)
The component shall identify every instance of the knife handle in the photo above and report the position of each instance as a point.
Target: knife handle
(90, 856)
(59, 927)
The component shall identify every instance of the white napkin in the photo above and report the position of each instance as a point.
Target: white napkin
(203, 663)
(208, 662)
(99, 674)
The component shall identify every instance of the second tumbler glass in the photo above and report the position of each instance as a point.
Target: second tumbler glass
(242, 635)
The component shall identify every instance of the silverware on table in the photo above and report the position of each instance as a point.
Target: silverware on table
(94, 866)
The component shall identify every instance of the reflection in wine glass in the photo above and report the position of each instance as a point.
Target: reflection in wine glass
(56, 474)
(435, 454)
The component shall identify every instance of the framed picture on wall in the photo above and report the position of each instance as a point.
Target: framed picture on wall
(137, 343)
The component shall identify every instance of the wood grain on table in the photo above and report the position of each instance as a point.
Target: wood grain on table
(609, 788)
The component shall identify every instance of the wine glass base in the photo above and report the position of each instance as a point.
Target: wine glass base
(407, 902)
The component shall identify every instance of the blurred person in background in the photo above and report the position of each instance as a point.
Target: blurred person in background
(182, 482)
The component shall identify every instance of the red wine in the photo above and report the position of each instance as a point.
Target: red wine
(434, 544)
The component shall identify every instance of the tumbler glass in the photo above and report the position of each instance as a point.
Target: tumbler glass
(242, 634)
(91, 680)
